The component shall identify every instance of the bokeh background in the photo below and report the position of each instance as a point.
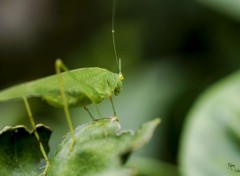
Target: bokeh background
(171, 52)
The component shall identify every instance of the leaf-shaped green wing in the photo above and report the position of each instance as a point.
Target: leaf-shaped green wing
(82, 86)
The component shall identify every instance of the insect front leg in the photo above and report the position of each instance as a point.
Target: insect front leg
(110, 98)
(58, 66)
(36, 133)
(114, 111)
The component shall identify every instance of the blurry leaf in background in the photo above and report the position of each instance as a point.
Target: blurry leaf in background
(230, 7)
(211, 138)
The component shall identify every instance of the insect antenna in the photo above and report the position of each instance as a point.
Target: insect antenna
(118, 60)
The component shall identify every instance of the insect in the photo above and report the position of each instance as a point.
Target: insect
(81, 86)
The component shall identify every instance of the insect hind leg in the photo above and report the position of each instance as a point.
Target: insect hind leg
(60, 66)
(33, 124)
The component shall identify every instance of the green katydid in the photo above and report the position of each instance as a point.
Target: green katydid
(70, 88)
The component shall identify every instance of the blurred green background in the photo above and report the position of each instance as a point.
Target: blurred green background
(171, 51)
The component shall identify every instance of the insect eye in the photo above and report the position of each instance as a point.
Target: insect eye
(121, 77)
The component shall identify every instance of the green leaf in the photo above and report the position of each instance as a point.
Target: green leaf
(19, 150)
(211, 138)
(101, 149)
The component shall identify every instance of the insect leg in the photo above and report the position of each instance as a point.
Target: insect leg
(59, 65)
(36, 133)
(114, 112)
(86, 108)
